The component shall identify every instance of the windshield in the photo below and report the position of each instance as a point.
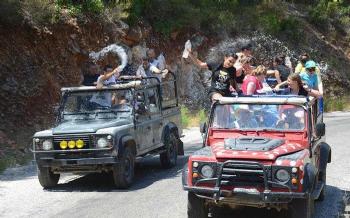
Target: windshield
(259, 117)
(106, 104)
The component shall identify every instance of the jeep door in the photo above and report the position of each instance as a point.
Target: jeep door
(155, 113)
(143, 123)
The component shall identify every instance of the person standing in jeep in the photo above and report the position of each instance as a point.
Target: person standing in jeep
(223, 75)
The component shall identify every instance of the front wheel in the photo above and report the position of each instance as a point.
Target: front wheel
(47, 178)
(323, 175)
(302, 207)
(168, 158)
(123, 172)
(196, 207)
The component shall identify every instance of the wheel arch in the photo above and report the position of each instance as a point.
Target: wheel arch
(127, 141)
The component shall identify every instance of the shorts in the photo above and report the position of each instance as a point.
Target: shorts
(215, 91)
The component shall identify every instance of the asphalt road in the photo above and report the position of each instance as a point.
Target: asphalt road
(157, 192)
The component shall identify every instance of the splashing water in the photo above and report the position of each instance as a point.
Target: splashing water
(114, 48)
(265, 47)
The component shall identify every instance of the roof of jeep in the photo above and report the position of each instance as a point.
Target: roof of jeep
(266, 99)
(131, 84)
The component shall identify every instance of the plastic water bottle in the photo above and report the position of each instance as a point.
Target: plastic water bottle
(188, 47)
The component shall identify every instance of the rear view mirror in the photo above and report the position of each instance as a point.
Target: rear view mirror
(203, 127)
(320, 129)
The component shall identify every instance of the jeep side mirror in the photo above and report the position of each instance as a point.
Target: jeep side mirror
(203, 127)
(320, 129)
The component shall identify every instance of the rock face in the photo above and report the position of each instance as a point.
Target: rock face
(36, 63)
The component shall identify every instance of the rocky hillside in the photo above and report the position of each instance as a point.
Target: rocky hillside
(37, 59)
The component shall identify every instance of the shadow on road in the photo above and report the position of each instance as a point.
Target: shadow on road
(334, 205)
(147, 172)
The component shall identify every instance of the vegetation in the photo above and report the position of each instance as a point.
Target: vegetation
(191, 119)
(337, 104)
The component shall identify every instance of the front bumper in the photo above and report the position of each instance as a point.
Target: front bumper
(219, 189)
(245, 196)
(51, 162)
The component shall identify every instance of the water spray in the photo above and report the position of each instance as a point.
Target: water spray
(114, 48)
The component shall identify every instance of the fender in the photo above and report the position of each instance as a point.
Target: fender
(125, 139)
(325, 155)
(185, 175)
(309, 178)
(169, 128)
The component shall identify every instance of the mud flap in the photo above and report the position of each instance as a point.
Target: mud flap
(180, 147)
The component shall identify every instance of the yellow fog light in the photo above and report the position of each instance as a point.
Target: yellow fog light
(195, 175)
(63, 144)
(79, 143)
(71, 144)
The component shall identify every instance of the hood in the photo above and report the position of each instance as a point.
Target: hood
(253, 148)
(87, 126)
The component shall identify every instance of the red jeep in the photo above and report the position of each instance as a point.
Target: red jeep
(259, 152)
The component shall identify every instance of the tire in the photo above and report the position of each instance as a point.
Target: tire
(196, 207)
(323, 192)
(168, 158)
(302, 208)
(124, 171)
(47, 179)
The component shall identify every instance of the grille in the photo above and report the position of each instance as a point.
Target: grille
(238, 174)
(86, 138)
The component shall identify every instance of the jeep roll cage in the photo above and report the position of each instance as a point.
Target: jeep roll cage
(127, 82)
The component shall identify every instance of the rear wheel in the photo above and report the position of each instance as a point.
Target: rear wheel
(47, 178)
(123, 172)
(196, 207)
(302, 208)
(168, 158)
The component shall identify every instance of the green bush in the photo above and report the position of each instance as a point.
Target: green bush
(38, 12)
(185, 119)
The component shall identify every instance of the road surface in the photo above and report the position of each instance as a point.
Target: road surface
(156, 192)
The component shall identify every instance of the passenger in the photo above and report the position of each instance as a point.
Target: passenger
(223, 79)
(301, 64)
(280, 71)
(109, 76)
(301, 68)
(244, 118)
(244, 68)
(158, 62)
(296, 87)
(91, 74)
(254, 82)
(309, 75)
(148, 70)
(244, 63)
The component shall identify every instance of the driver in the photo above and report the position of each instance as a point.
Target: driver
(244, 117)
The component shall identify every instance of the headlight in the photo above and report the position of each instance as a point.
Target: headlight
(207, 171)
(282, 175)
(47, 145)
(102, 143)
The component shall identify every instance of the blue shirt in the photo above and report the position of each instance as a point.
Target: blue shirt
(310, 79)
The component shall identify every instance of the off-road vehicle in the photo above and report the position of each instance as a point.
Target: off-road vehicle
(262, 151)
(102, 130)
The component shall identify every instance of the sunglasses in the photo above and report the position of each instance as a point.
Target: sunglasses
(312, 69)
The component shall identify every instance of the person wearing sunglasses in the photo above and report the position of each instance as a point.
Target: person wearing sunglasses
(309, 76)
